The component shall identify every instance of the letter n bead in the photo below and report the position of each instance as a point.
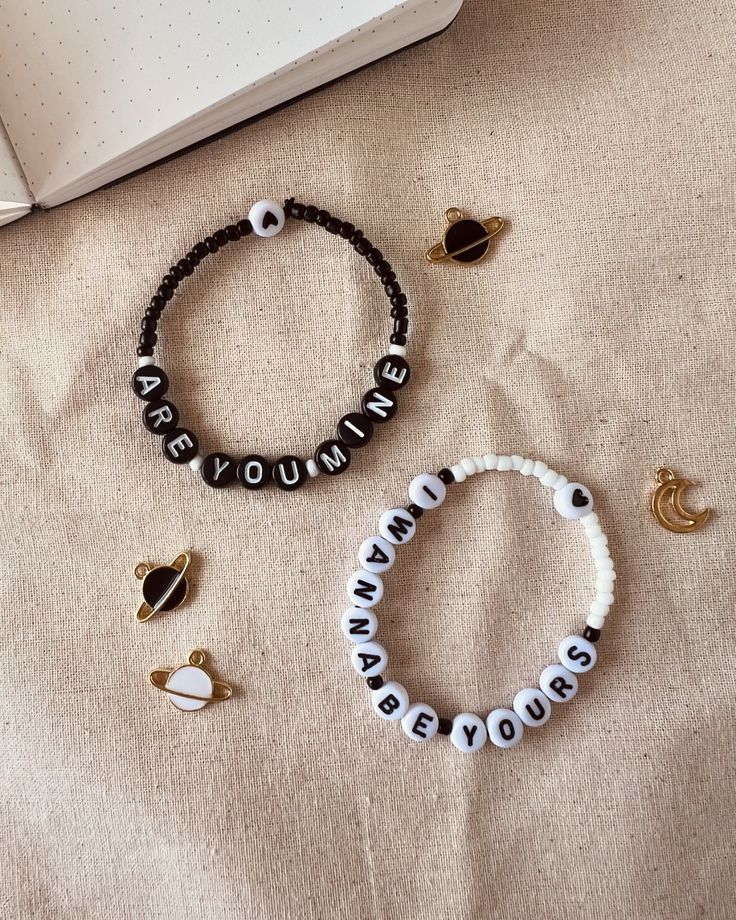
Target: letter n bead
(365, 589)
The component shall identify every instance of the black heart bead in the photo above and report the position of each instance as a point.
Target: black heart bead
(269, 220)
(579, 500)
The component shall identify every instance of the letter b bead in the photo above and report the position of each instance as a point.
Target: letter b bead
(390, 702)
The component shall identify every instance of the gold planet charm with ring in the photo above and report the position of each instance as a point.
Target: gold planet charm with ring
(670, 489)
(190, 686)
(465, 240)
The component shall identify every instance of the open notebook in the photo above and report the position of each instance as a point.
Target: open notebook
(91, 90)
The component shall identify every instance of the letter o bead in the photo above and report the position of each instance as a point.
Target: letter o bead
(532, 707)
(390, 702)
(420, 722)
(254, 471)
(505, 728)
(577, 654)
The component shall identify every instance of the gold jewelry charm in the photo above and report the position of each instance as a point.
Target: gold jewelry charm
(466, 239)
(670, 488)
(164, 586)
(190, 686)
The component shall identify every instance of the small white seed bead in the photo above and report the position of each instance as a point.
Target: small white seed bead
(196, 463)
(590, 520)
(458, 472)
(604, 564)
(480, 466)
(549, 478)
(516, 462)
(468, 466)
(399, 350)
(504, 464)
(527, 468)
(594, 531)
(599, 551)
(491, 461)
(560, 482)
(602, 583)
(312, 468)
(599, 608)
(145, 360)
(605, 597)
(540, 468)
(595, 621)
(599, 539)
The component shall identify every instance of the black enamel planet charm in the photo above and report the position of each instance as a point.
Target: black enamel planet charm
(190, 686)
(164, 586)
(466, 240)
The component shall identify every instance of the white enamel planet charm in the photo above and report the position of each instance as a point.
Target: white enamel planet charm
(190, 687)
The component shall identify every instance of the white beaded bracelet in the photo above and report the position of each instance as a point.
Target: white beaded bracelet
(531, 706)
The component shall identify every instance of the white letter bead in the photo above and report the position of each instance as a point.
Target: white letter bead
(573, 501)
(365, 588)
(427, 491)
(420, 722)
(532, 707)
(468, 466)
(458, 472)
(468, 732)
(359, 624)
(390, 702)
(267, 217)
(577, 654)
(505, 728)
(369, 659)
(397, 526)
(376, 554)
(559, 684)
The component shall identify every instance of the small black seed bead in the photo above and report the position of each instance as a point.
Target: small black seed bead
(175, 273)
(415, 511)
(172, 282)
(399, 312)
(157, 302)
(363, 247)
(144, 351)
(211, 244)
(165, 291)
(148, 338)
(200, 250)
(381, 268)
(245, 227)
(591, 634)
(374, 257)
(397, 338)
(297, 210)
(148, 324)
(398, 301)
(153, 312)
(193, 258)
(310, 213)
(392, 290)
(374, 683)
(355, 236)
(233, 233)
(444, 727)
(185, 267)
(446, 476)
(322, 218)
(346, 230)
(333, 225)
(221, 237)
(401, 325)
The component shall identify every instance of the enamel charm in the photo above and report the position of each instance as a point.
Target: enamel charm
(466, 239)
(190, 686)
(164, 586)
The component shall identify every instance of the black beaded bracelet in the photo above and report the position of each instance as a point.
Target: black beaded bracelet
(354, 430)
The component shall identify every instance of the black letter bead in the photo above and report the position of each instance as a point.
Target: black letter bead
(218, 470)
(392, 372)
(254, 471)
(289, 472)
(591, 634)
(355, 429)
(180, 445)
(149, 382)
(160, 416)
(380, 405)
(446, 476)
(332, 457)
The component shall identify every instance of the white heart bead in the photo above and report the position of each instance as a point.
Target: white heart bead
(391, 701)
(397, 526)
(365, 588)
(376, 554)
(468, 732)
(420, 722)
(427, 491)
(557, 683)
(532, 707)
(573, 501)
(577, 654)
(359, 624)
(267, 218)
(369, 659)
(505, 728)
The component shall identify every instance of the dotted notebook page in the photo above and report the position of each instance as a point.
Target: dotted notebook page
(84, 81)
(13, 186)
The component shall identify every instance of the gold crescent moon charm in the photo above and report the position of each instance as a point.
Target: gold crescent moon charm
(670, 488)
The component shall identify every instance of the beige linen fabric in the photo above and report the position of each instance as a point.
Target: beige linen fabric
(599, 337)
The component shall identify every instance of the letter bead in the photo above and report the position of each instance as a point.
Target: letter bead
(376, 554)
(365, 589)
(392, 372)
(532, 707)
(289, 473)
(359, 624)
(355, 429)
(218, 470)
(420, 722)
(160, 417)
(369, 659)
(267, 218)
(558, 684)
(390, 702)
(505, 728)
(253, 472)
(468, 732)
(397, 526)
(180, 445)
(149, 382)
(427, 491)
(332, 457)
(380, 405)
(573, 501)
(577, 654)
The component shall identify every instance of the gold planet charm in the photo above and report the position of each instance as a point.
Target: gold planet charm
(466, 240)
(190, 686)
(165, 587)
(670, 489)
